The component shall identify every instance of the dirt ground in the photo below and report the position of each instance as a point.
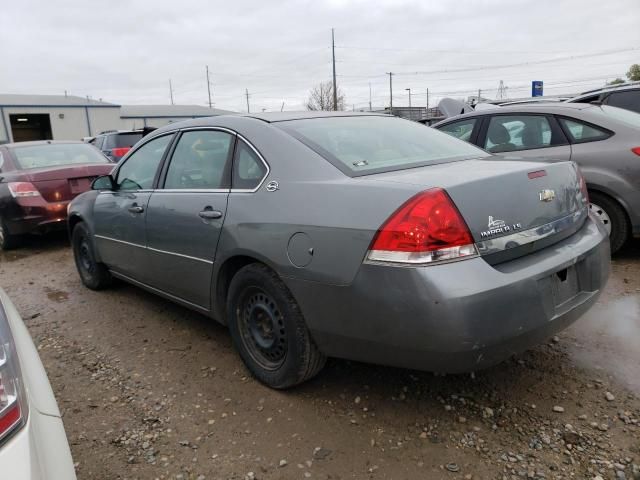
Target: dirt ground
(150, 390)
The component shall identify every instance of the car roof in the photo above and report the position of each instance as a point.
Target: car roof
(607, 89)
(552, 107)
(37, 143)
(271, 117)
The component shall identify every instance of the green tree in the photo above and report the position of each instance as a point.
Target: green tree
(634, 72)
(616, 81)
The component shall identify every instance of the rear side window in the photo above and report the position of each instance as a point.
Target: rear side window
(462, 129)
(97, 142)
(629, 99)
(200, 161)
(248, 169)
(363, 145)
(508, 133)
(582, 132)
(119, 140)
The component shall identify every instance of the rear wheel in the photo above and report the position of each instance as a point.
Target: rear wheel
(612, 216)
(8, 241)
(93, 274)
(268, 329)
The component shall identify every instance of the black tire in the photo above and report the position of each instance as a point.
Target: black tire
(8, 241)
(613, 213)
(268, 329)
(94, 275)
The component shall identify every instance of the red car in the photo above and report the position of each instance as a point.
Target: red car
(38, 180)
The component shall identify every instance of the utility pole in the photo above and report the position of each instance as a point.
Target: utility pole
(370, 109)
(479, 93)
(409, 90)
(171, 91)
(427, 102)
(282, 107)
(208, 86)
(390, 92)
(246, 92)
(335, 87)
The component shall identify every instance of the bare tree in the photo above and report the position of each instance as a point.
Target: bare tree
(321, 97)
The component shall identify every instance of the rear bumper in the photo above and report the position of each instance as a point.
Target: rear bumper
(35, 215)
(460, 316)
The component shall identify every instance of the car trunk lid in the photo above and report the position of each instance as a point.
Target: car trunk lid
(511, 206)
(65, 183)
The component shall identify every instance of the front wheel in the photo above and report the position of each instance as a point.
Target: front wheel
(94, 275)
(268, 329)
(614, 218)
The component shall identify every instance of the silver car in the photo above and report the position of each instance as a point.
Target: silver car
(358, 236)
(33, 444)
(603, 140)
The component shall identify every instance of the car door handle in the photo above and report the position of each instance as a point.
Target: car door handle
(210, 214)
(136, 209)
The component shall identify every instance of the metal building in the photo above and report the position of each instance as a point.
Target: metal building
(138, 116)
(59, 117)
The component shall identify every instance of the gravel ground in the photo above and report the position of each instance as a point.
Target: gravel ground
(151, 390)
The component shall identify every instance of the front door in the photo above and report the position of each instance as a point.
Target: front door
(185, 215)
(120, 214)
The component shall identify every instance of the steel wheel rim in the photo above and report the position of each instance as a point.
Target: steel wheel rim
(262, 329)
(1, 234)
(84, 256)
(602, 215)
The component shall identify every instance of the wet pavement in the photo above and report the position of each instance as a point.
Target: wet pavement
(151, 390)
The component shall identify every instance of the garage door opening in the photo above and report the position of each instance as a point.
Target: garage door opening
(30, 126)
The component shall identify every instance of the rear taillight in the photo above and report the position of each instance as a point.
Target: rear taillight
(120, 151)
(23, 189)
(636, 150)
(583, 187)
(428, 228)
(13, 409)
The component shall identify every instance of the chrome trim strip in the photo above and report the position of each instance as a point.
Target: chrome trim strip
(499, 244)
(119, 241)
(155, 249)
(209, 262)
(157, 290)
(191, 190)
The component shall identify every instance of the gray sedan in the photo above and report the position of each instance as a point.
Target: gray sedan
(603, 140)
(357, 236)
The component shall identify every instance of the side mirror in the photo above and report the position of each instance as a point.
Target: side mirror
(104, 182)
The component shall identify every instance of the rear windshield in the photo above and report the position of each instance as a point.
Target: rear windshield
(120, 140)
(52, 155)
(372, 144)
(620, 114)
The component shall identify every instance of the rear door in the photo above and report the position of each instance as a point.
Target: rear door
(524, 135)
(119, 215)
(185, 215)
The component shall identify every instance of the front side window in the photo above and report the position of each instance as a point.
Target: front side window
(55, 155)
(138, 172)
(200, 161)
(364, 145)
(248, 169)
(462, 129)
(581, 132)
(508, 133)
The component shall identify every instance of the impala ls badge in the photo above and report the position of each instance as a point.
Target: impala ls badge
(546, 195)
(496, 227)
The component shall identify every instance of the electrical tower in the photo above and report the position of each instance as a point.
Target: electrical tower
(502, 91)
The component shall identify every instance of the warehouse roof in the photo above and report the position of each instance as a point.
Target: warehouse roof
(14, 100)
(169, 111)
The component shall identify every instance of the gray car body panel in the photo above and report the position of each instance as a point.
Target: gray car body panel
(315, 230)
(609, 165)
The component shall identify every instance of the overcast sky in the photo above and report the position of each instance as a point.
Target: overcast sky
(126, 51)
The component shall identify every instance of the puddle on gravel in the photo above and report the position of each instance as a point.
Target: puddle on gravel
(608, 339)
(58, 296)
